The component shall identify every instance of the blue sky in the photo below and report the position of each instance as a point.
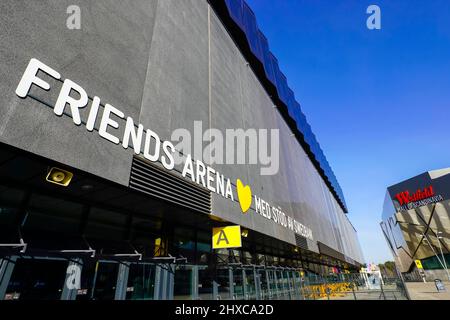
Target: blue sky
(377, 100)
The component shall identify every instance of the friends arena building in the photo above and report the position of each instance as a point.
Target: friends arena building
(93, 205)
(416, 225)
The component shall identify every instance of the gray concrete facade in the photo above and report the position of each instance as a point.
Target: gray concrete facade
(166, 64)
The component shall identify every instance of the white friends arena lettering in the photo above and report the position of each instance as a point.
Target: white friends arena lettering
(143, 141)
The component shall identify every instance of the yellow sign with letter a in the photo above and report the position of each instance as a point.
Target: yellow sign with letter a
(227, 237)
(418, 264)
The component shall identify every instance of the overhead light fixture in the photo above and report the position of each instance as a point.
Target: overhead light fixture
(244, 233)
(87, 187)
(215, 218)
(59, 176)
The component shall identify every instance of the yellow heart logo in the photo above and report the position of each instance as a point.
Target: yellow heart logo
(244, 195)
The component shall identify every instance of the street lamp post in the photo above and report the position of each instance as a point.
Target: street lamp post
(442, 253)
(432, 249)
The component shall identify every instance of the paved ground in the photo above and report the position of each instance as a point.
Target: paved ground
(427, 291)
(371, 295)
(416, 290)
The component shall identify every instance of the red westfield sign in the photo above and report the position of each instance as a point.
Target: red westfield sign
(405, 197)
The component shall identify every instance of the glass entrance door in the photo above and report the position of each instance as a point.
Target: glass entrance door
(224, 284)
(98, 280)
(285, 285)
(184, 283)
(273, 284)
(280, 285)
(297, 285)
(37, 279)
(141, 281)
(264, 284)
(206, 286)
(250, 284)
(291, 287)
(238, 284)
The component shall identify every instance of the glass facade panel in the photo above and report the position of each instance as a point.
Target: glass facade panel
(432, 263)
(58, 219)
(183, 285)
(37, 279)
(268, 68)
(273, 284)
(280, 285)
(10, 199)
(106, 224)
(297, 285)
(205, 284)
(263, 284)
(184, 243)
(235, 8)
(238, 284)
(250, 284)
(252, 31)
(223, 283)
(282, 86)
(291, 104)
(104, 281)
(141, 282)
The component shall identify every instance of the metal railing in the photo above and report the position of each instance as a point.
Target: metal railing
(351, 287)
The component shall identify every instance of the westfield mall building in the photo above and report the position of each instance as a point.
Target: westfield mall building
(416, 224)
(97, 201)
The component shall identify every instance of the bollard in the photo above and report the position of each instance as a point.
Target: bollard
(353, 290)
(382, 291)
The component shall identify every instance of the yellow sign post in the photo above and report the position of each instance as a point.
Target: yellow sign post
(418, 264)
(227, 237)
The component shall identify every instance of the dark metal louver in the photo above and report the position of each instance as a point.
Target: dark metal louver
(326, 250)
(156, 182)
(301, 242)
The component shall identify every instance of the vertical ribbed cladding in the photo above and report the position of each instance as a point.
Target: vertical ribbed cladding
(153, 181)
